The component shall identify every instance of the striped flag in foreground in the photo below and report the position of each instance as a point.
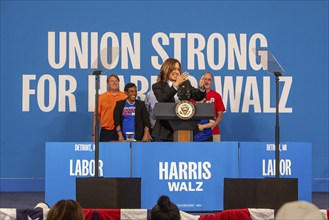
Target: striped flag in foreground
(144, 214)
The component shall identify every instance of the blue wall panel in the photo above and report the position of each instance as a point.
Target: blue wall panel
(48, 47)
(67, 161)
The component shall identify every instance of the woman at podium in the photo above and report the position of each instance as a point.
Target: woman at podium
(172, 87)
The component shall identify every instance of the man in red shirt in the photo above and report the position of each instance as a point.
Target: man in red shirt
(214, 97)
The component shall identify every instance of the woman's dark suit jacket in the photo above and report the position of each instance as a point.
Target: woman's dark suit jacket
(164, 93)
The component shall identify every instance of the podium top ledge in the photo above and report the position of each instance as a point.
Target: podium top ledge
(166, 111)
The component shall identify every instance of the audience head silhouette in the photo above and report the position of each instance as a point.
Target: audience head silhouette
(66, 210)
(165, 210)
(299, 210)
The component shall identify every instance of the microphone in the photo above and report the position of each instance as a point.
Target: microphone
(184, 91)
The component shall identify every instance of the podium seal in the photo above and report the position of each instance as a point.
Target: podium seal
(185, 110)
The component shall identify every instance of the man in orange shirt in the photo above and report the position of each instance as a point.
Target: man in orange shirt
(106, 104)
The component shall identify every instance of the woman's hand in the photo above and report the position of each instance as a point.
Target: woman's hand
(201, 83)
(181, 79)
(146, 137)
(121, 139)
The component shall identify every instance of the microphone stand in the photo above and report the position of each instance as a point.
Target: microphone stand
(272, 66)
(96, 73)
(277, 126)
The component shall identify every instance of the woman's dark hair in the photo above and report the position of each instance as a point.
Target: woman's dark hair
(167, 67)
(66, 209)
(165, 210)
(128, 86)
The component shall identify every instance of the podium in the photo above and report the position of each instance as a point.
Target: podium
(183, 129)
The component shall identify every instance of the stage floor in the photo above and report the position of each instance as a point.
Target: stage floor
(24, 200)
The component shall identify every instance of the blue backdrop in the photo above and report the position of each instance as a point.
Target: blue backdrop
(49, 47)
(67, 161)
(257, 160)
(191, 174)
